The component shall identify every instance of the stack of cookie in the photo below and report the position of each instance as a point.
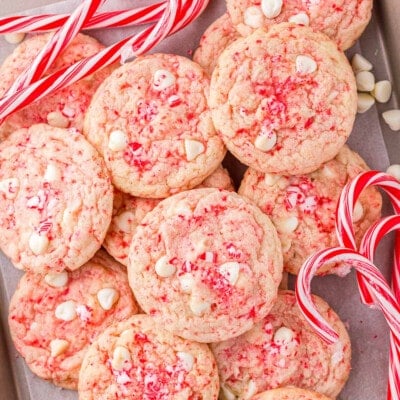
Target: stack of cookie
(131, 159)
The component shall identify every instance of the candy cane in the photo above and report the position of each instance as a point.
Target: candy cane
(379, 289)
(61, 39)
(368, 246)
(187, 11)
(344, 212)
(109, 19)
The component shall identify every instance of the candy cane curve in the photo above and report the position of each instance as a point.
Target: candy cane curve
(109, 19)
(344, 212)
(379, 289)
(15, 101)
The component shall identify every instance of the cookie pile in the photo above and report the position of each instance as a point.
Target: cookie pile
(130, 159)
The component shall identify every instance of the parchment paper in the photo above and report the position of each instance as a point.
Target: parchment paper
(371, 138)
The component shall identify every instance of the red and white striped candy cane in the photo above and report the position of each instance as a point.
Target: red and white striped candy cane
(108, 19)
(368, 246)
(61, 39)
(177, 15)
(379, 289)
(344, 213)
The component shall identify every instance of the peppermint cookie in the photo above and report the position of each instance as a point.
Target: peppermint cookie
(290, 393)
(303, 207)
(54, 317)
(343, 21)
(128, 212)
(64, 108)
(56, 199)
(283, 350)
(206, 263)
(137, 360)
(151, 122)
(213, 42)
(284, 101)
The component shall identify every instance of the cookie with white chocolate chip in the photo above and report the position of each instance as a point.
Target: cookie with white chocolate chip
(284, 350)
(303, 207)
(128, 212)
(54, 317)
(139, 359)
(206, 264)
(151, 122)
(342, 20)
(283, 100)
(64, 108)
(56, 199)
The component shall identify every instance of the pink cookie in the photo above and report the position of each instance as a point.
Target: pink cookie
(303, 207)
(138, 360)
(285, 100)
(206, 263)
(151, 122)
(66, 107)
(283, 350)
(56, 199)
(53, 318)
(128, 212)
(215, 39)
(291, 393)
(342, 20)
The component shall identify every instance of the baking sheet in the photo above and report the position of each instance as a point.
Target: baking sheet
(371, 138)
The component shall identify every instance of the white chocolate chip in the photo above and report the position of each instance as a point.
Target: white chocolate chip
(300, 19)
(164, 268)
(265, 142)
(199, 307)
(107, 297)
(38, 243)
(117, 140)
(338, 354)
(230, 271)
(193, 148)
(58, 346)
(283, 335)
(271, 179)
(56, 279)
(394, 170)
(286, 245)
(227, 394)
(253, 17)
(358, 212)
(124, 220)
(365, 81)
(364, 102)
(57, 119)
(287, 225)
(392, 118)
(186, 359)
(66, 311)
(52, 173)
(187, 282)
(163, 79)
(10, 187)
(15, 37)
(360, 63)
(382, 91)
(305, 65)
(251, 390)
(121, 356)
(271, 8)
(70, 214)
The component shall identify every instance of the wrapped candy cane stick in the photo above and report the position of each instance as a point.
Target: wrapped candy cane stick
(187, 11)
(109, 19)
(61, 39)
(344, 212)
(379, 289)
